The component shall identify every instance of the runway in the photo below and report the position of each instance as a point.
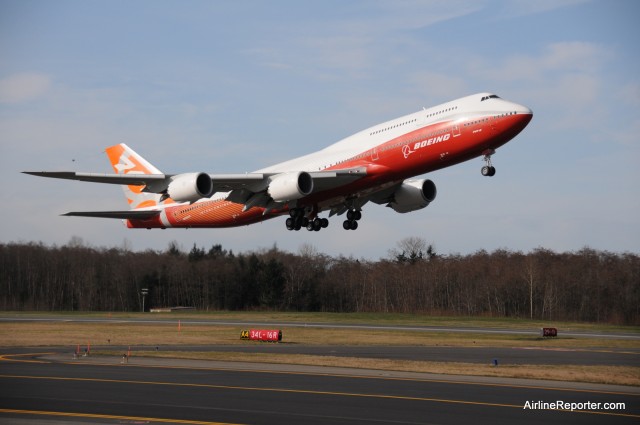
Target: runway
(479, 355)
(101, 390)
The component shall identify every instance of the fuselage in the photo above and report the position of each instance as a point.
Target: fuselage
(390, 152)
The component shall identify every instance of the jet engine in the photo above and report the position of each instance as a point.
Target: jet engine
(190, 187)
(413, 195)
(289, 186)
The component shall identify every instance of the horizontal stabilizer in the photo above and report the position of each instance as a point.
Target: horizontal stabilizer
(123, 215)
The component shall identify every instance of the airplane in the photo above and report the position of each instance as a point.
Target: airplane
(378, 164)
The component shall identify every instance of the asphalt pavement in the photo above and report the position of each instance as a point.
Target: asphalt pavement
(38, 387)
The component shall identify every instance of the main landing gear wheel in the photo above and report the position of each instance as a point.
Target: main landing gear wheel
(297, 221)
(317, 224)
(488, 170)
(351, 223)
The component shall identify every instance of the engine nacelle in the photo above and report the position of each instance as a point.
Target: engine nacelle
(190, 187)
(413, 195)
(289, 186)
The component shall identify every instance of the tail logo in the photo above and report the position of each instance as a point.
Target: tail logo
(125, 160)
(124, 165)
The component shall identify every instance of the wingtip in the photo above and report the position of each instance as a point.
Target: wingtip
(57, 174)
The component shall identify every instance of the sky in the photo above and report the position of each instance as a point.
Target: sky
(235, 86)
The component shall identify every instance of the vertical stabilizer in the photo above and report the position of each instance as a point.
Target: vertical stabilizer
(125, 160)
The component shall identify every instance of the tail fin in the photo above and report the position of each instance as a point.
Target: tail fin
(125, 160)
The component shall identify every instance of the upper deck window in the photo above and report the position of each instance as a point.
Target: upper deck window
(493, 96)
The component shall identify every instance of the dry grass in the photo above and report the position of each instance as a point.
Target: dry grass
(387, 319)
(15, 334)
(31, 334)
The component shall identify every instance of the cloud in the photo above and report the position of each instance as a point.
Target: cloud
(343, 53)
(518, 8)
(561, 57)
(387, 17)
(369, 38)
(630, 94)
(565, 82)
(440, 85)
(24, 87)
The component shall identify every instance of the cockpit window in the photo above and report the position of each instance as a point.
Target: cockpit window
(493, 96)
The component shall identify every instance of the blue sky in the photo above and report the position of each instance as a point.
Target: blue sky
(237, 86)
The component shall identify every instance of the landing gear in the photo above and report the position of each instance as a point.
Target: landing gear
(291, 223)
(297, 221)
(488, 170)
(317, 223)
(351, 223)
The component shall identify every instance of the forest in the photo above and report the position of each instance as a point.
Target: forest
(585, 285)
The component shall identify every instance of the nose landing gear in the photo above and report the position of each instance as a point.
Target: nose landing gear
(488, 170)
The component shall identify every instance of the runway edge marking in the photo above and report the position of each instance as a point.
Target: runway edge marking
(8, 358)
(118, 417)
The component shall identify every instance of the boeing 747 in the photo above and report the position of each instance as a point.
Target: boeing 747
(378, 165)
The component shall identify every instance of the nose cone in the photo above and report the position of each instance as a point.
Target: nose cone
(525, 110)
(521, 119)
(521, 109)
(523, 116)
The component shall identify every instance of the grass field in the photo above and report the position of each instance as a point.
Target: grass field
(386, 319)
(163, 329)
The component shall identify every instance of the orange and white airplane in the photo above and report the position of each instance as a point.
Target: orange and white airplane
(378, 164)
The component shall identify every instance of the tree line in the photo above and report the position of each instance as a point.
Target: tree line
(585, 285)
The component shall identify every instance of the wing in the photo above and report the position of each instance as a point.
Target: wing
(241, 186)
(126, 179)
(325, 180)
(273, 190)
(322, 180)
(146, 186)
(157, 183)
